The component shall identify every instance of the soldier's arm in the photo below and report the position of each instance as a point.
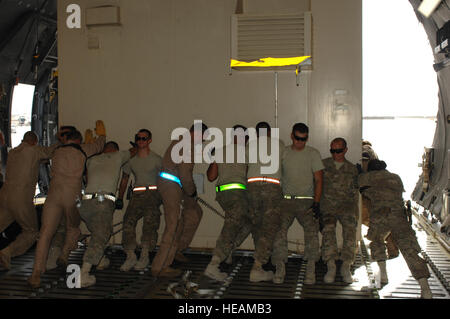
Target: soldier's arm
(318, 185)
(213, 172)
(45, 152)
(94, 148)
(123, 185)
(187, 180)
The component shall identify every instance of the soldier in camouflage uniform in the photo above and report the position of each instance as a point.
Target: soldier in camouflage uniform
(339, 202)
(302, 189)
(387, 214)
(369, 154)
(144, 203)
(98, 205)
(265, 196)
(232, 196)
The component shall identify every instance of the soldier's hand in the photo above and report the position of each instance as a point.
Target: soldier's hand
(316, 209)
(194, 195)
(89, 137)
(359, 168)
(133, 151)
(119, 204)
(100, 128)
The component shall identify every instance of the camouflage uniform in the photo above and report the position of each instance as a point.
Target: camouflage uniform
(98, 217)
(265, 203)
(299, 209)
(387, 214)
(238, 223)
(298, 168)
(339, 202)
(143, 203)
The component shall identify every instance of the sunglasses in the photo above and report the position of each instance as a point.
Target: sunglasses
(337, 150)
(298, 138)
(138, 138)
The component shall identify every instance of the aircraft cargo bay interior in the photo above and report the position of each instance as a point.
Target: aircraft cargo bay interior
(228, 149)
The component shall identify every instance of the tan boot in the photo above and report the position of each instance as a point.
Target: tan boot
(86, 279)
(280, 273)
(330, 276)
(346, 273)
(167, 272)
(310, 277)
(425, 289)
(181, 258)
(34, 280)
(5, 258)
(104, 263)
(129, 262)
(258, 274)
(53, 255)
(143, 259)
(213, 271)
(383, 272)
(229, 259)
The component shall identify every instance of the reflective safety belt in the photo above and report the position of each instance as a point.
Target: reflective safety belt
(99, 196)
(228, 187)
(144, 188)
(264, 179)
(297, 197)
(170, 177)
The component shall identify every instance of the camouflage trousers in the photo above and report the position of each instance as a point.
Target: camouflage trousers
(299, 209)
(386, 220)
(264, 204)
(347, 218)
(98, 217)
(238, 222)
(142, 204)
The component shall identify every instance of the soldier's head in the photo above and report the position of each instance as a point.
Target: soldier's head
(73, 137)
(143, 138)
(376, 165)
(263, 129)
(30, 138)
(63, 131)
(299, 135)
(111, 147)
(338, 149)
(240, 134)
(197, 132)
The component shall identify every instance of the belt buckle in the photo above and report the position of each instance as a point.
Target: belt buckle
(100, 198)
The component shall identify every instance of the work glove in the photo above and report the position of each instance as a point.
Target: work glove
(316, 210)
(119, 204)
(100, 128)
(89, 137)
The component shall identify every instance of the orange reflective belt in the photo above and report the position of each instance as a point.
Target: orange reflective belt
(264, 179)
(144, 188)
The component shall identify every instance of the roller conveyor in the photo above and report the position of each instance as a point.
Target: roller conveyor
(112, 283)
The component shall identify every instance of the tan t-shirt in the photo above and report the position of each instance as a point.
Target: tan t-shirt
(254, 169)
(298, 168)
(144, 169)
(232, 172)
(104, 171)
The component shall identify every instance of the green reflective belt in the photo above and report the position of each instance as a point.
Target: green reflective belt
(297, 197)
(228, 187)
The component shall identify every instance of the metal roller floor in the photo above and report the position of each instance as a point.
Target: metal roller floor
(112, 283)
